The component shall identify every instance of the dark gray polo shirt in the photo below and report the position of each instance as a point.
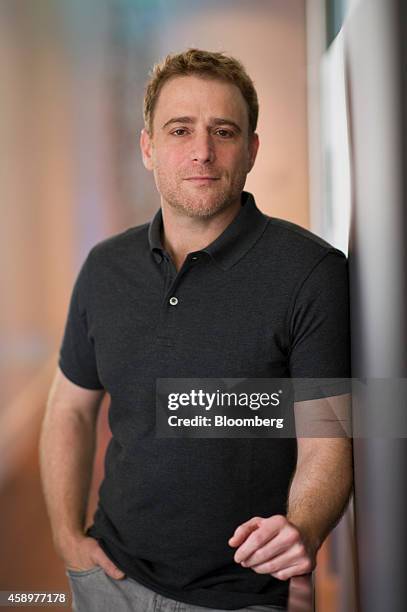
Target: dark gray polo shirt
(265, 299)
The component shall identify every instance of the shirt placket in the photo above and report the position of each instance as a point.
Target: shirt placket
(172, 306)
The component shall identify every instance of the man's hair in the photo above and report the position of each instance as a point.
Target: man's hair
(205, 64)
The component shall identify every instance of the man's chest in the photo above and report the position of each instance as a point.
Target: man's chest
(188, 325)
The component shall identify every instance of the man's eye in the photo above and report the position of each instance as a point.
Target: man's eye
(224, 133)
(179, 132)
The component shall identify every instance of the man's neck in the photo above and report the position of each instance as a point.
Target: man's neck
(183, 234)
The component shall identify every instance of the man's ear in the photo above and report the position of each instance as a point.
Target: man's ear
(146, 149)
(254, 143)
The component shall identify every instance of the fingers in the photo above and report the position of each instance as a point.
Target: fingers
(272, 546)
(272, 557)
(87, 554)
(292, 563)
(255, 534)
(244, 530)
(290, 572)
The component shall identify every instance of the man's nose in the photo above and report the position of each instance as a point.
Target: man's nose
(202, 150)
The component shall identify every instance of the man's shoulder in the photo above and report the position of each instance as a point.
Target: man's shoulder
(295, 240)
(298, 234)
(127, 243)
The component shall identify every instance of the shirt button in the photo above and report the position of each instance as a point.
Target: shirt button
(173, 301)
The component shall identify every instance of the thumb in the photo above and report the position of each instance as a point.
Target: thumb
(110, 568)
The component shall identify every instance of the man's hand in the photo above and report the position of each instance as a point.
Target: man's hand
(85, 554)
(273, 546)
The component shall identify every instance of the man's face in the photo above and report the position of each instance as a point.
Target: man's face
(200, 149)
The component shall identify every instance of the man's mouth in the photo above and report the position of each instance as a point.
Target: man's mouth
(202, 178)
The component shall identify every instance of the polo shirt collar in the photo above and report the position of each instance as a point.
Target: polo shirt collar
(234, 242)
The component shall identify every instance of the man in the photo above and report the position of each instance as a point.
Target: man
(210, 288)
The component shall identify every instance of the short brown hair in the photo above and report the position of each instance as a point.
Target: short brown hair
(214, 65)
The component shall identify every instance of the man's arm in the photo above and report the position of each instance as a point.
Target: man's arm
(320, 488)
(286, 546)
(67, 448)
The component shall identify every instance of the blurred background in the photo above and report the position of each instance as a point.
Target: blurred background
(330, 75)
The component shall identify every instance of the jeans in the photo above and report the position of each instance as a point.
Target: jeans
(94, 591)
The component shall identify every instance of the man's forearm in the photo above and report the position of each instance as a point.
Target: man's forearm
(67, 450)
(320, 489)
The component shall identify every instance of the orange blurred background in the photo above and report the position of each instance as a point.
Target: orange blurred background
(71, 107)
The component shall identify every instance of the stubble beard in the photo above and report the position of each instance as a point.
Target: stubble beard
(209, 203)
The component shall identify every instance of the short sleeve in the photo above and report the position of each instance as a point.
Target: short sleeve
(320, 330)
(77, 358)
